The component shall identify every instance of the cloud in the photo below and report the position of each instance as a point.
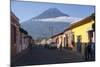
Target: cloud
(59, 19)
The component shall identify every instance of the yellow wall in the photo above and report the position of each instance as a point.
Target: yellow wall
(82, 30)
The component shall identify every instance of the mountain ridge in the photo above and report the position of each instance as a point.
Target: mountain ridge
(53, 12)
(38, 29)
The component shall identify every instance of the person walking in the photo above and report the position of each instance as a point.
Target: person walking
(90, 51)
(79, 44)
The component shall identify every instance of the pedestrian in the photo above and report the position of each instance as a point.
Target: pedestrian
(93, 51)
(79, 44)
(90, 51)
(86, 53)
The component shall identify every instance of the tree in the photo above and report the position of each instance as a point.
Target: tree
(93, 16)
(93, 26)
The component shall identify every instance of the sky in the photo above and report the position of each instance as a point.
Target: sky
(25, 10)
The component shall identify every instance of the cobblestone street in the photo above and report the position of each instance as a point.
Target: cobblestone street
(41, 55)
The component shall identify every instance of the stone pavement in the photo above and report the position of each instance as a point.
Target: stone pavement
(38, 56)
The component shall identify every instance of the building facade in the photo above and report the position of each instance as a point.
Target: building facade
(78, 35)
(68, 39)
(20, 40)
(15, 34)
(24, 41)
(58, 40)
(81, 31)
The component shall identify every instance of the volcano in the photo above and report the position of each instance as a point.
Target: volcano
(47, 24)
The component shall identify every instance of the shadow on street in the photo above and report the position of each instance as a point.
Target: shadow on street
(41, 55)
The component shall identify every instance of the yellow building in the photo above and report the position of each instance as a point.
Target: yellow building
(80, 31)
(77, 35)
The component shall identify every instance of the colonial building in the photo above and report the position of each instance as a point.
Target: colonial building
(21, 42)
(81, 31)
(15, 35)
(68, 38)
(23, 39)
(28, 42)
(49, 40)
(77, 35)
(57, 39)
(43, 42)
